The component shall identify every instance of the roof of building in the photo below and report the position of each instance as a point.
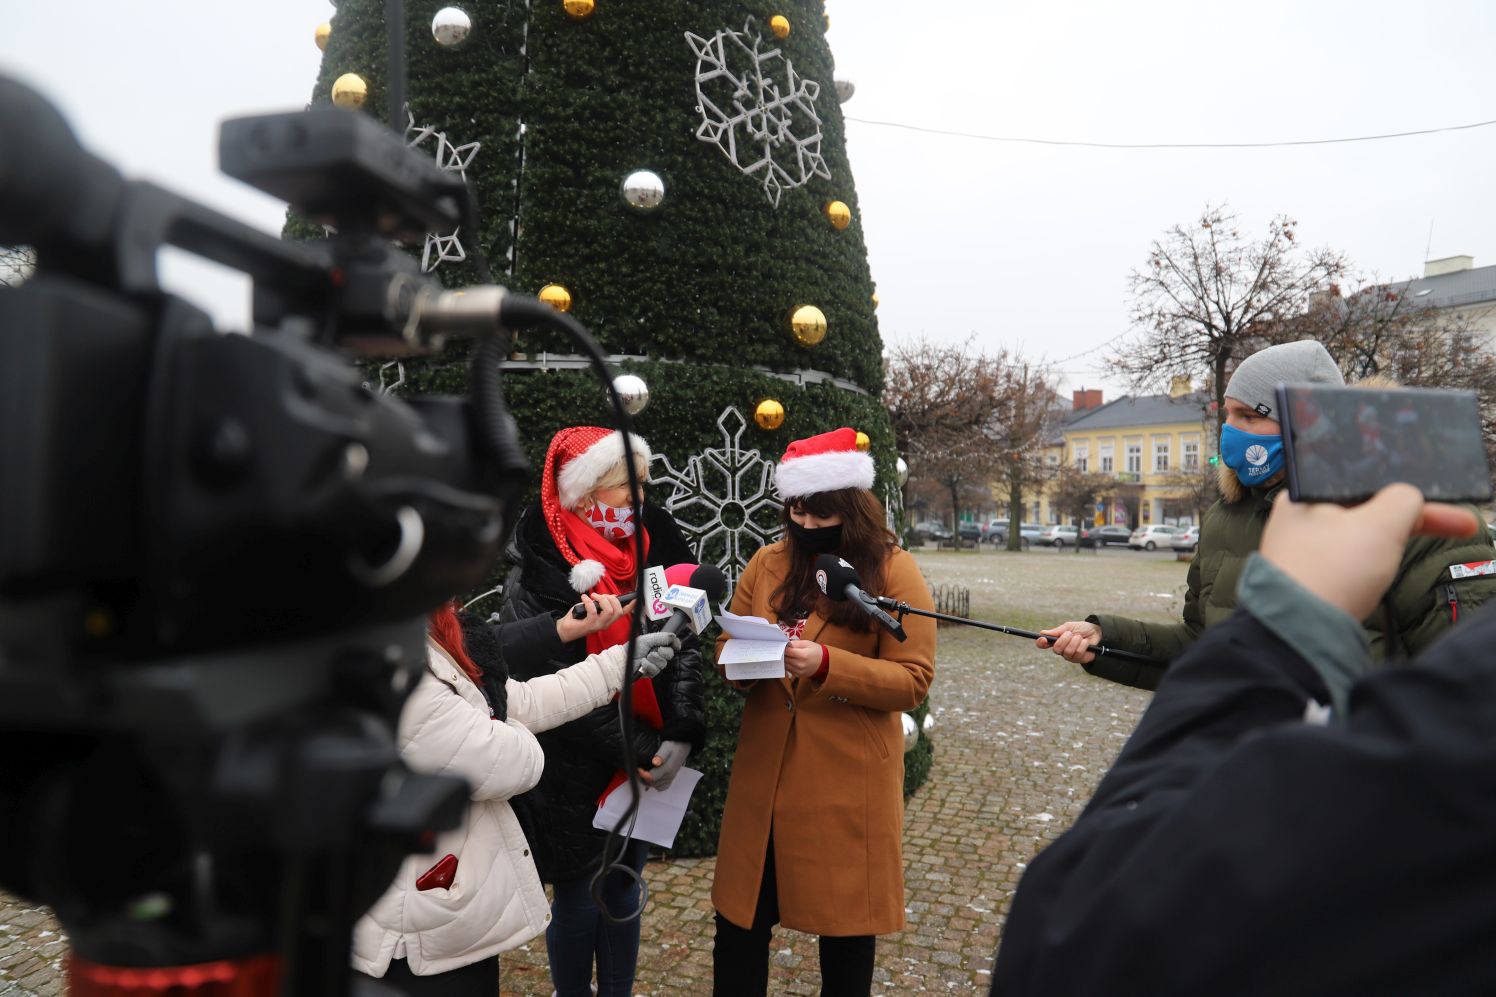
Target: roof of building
(1451, 290)
(1141, 410)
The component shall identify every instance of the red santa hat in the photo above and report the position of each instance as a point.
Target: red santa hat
(825, 463)
(577, 459)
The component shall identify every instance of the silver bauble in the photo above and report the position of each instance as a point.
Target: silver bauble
(450, 26)
(643, 190)
(901, 468)
(911, 732)
(844, 87)
(632, 391)
(929, 723)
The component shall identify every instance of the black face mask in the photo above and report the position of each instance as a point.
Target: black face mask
(822, 540)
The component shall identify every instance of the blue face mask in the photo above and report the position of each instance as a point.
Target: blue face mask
(1254, 458)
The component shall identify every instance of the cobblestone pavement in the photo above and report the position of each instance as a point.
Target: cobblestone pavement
(1021, 740)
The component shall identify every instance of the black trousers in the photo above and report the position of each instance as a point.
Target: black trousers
(479, 979)
(740, 958)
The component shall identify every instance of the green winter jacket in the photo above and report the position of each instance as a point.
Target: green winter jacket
(1425, 599)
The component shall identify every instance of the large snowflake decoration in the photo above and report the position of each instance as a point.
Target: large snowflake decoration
(723, 499)
(454, 159)
(755, 107)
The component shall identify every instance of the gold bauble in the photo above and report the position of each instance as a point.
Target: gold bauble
(350, 91)
(780, 25)
(579, 10)
(838, 214)
(324, 31)
(769, 414)
(556, 296)
(808, 324)
(875, 302)
(864, 442)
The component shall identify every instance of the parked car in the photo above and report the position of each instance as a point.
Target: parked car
(931, 529)
(1151, 537)
(971, 531)
(1188, 538)
(1106, 535)
(1059, 536)
(995, 532)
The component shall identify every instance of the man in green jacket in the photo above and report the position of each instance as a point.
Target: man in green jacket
(1426, 598)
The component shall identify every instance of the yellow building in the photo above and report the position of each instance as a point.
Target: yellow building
(1144, 442)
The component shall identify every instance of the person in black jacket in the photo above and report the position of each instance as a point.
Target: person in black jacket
(580, 538)
(1285, 819)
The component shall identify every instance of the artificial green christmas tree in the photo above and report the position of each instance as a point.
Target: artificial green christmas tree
(675, 173)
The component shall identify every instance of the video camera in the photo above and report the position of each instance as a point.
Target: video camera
(217, 552)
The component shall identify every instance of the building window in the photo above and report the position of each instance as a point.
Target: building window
(1161, 454)
(1191, 452)
(1082, 456)
(1104, 456)
(1134, 456)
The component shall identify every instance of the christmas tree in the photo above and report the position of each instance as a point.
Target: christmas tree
(675, 174)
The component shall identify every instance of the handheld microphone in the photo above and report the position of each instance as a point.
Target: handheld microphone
(689, 602)
(657, 580)
(579, 611)
(838, 580)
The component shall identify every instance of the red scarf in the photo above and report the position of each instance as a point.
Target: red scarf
(619, 560)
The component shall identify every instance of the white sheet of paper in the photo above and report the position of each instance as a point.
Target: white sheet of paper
(660, 812)
(750, 628)
(742, 660)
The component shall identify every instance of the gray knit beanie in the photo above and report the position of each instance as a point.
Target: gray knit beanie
(1257, 377)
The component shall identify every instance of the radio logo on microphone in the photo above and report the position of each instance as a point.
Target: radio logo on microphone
(821, 580)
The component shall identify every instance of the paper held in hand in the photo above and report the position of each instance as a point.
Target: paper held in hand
(754, 648)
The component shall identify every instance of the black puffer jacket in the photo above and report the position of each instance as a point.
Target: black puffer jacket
(582, 757)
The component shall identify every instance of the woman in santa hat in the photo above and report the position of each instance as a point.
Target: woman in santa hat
(813, 825)
(581, 538)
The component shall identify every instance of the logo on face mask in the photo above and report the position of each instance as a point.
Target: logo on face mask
(1256, 455)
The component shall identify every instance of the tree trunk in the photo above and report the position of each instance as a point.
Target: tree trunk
(1015, 514)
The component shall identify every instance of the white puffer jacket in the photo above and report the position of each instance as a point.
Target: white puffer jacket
(496, 902)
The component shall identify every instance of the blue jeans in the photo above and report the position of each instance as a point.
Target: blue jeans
(578, 932)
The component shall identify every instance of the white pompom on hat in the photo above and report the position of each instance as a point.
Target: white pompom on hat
(585, 575)
(825, 463)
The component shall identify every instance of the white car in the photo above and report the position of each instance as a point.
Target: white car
(1188, 538)
(1152, 537)
(1058, 536)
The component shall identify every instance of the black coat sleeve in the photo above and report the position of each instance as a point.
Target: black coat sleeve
(1234, 848)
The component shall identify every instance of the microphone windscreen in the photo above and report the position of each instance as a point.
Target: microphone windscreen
(833, 575)
(710, 579)
(680, 574)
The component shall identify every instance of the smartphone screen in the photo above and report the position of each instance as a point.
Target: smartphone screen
(1344, 444)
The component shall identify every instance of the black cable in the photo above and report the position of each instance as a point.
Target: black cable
(523, 311)
(394, 29)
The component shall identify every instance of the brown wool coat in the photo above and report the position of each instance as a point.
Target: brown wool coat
(824, 764)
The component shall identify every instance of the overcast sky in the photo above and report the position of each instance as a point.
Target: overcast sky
(1019, 245)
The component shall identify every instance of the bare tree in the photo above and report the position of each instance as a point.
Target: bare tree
(1026, 414)
(1209, 297)
(16, 265)
(1378, 331)
(1076, 492)
(941, 398)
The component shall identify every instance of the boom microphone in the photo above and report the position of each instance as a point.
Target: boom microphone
(838, 580)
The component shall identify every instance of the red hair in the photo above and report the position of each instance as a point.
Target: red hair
(445, 629)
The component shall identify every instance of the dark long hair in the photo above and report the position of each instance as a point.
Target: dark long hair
(866, 545)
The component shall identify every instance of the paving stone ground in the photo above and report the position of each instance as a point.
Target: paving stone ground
(1021, 740)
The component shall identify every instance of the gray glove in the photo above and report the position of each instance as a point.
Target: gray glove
(652, 652)
(668, 760)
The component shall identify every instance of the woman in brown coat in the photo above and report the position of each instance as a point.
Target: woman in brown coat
(812, 829)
